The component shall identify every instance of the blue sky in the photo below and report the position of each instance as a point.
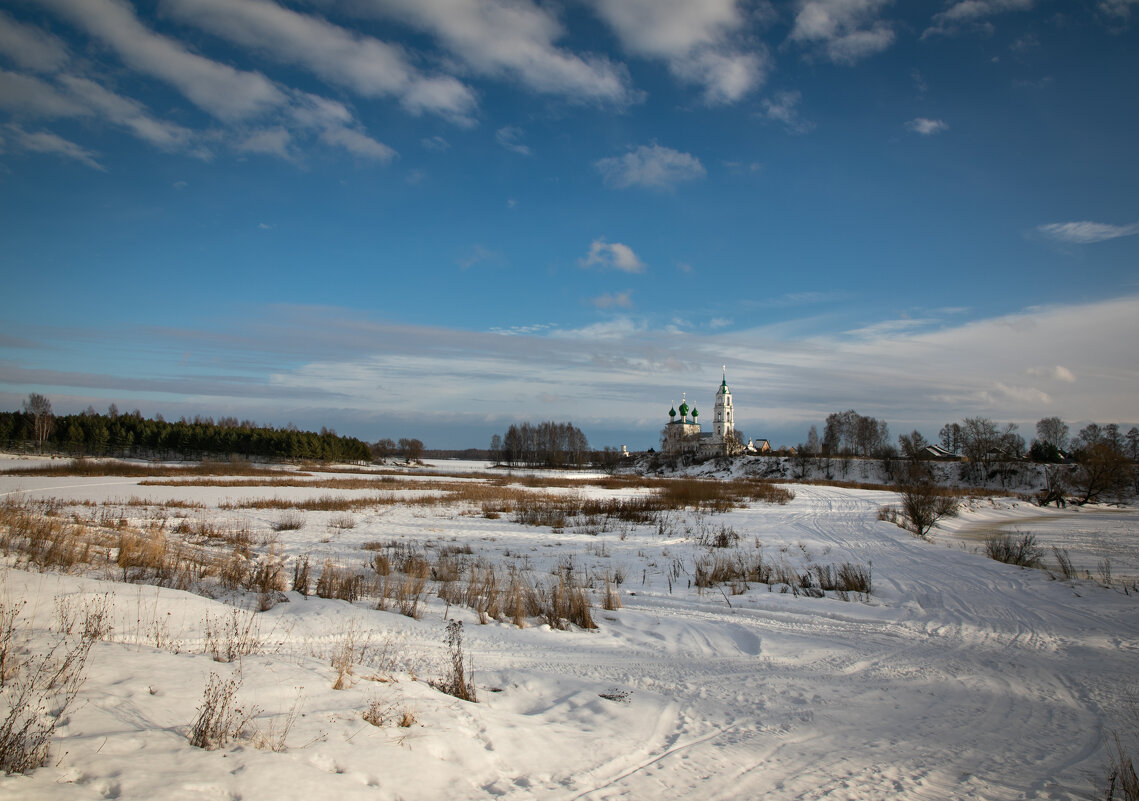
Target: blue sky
(432, 218)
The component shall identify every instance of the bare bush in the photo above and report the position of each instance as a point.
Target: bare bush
(1064, 562)
(1015, 550)
(726, 537)
(349, 650)
(344, 521)
(289, 521)
(220, 720)
(230, 637)
(924, 504)
(458, 678)
(38, 688)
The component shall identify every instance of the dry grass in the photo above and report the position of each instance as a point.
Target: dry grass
(382, 712)
(230, 637)
(337, 581)
(325, 503)
(289, 521)
(737, 569)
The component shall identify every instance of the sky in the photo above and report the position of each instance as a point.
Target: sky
(433, 218)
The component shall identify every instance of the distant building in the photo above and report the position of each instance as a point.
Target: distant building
(683, 435)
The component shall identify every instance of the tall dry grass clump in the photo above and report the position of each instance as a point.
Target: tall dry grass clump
(337, 581)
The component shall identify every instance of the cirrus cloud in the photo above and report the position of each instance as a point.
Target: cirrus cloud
(1085, 232)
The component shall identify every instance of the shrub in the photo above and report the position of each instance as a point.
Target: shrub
(924, 504)
(289, 521)
(38, 689)
(1064, 562)
(1013, 550)
(220, 720)
(228, 638)
(458, 678)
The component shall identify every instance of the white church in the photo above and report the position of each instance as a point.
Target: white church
(683, 434)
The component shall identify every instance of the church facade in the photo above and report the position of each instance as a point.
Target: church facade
(683, 434)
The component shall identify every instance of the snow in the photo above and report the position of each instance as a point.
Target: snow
(959, 677)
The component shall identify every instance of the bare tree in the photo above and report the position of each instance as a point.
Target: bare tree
(950, 437)
(812, 443)
(412, 449)
(1052, 431)
(924, 504)
(913, 445)
(1104, 472)
(43, 420)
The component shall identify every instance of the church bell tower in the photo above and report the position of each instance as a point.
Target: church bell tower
(725, 416)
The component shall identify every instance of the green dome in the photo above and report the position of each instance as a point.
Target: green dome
(684, 410)
(672, 412)
(695, 413)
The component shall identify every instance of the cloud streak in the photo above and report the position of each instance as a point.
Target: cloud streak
(1087, 233)
(356, 370)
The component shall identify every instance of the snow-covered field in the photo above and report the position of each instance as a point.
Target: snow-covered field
(958, 677)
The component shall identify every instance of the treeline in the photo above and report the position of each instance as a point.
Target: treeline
(132, 435)
(547, 444)
(1098, 462)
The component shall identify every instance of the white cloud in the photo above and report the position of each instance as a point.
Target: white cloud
(33, 97)
(844, 31)
(47, 142)
(358, 144)
(365, 65)
(703, 43)
(30, 48)
(1084, 232)
(268, 142)
(612, 255)
(623, 300)
(436, 143)
(1120, 9)
(783, 107)
(512, 39)
(651, 166)
(129, 114)
(628, 371)
(509, 137)
(217, 89)
(926, 126)
(1055, 373)
(972, 14)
